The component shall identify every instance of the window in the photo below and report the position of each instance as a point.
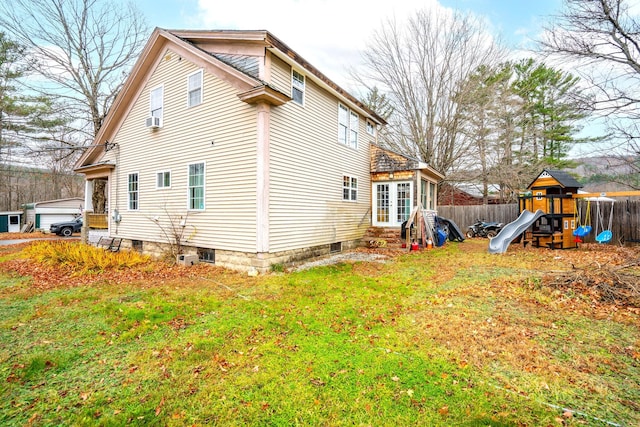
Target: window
(371, 129)
(163, 179)
(353, 130)
(194, 89)
(423, 193)
(207, 255)
(297, 87)
(349, 188)
(136, 245)
(196, 186)
(347, 127)
(335, 247)
(432, 198)
(403, 197)
(156, 101)
(133, 190)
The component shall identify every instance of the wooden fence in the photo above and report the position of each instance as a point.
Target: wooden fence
(625, 225)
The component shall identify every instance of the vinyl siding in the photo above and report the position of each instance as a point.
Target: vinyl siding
(307, 165)
(221, 132)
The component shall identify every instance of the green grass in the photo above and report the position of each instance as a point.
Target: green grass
(430, 338)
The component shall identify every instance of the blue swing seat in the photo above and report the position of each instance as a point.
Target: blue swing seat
(604, 237)
(582, 231)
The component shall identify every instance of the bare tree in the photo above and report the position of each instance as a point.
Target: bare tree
(419, 64)
(602, 37)
(80, 49)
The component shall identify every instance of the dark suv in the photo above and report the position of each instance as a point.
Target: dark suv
(67, 228)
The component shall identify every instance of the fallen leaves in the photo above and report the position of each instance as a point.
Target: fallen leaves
(159, 407)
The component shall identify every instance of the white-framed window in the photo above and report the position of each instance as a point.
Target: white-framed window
(297, 87)
(424, 195)
(539, 195)
(432, 196)
(196, 186)
(163, 179)
(353, 130)
(133, 189)
(371, 128)
(156, 101)
(347, 127)
(194, 89)
(349, 188)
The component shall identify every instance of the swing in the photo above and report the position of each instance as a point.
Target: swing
(582, 230)
(606, 235)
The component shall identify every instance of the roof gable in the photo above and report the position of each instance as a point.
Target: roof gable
(153, 53)
(550, 177)
(236, 57)
(385, 160)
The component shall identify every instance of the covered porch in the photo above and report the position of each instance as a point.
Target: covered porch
(398, 184)
(96, 198)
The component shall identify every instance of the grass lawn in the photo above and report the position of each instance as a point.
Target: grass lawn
(450, 336)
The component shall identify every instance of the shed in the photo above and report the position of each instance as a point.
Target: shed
(43, 214)
(10, 221)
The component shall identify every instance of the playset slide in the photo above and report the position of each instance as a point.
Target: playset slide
(500, 243)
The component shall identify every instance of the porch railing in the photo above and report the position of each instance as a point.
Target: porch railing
(95, 220)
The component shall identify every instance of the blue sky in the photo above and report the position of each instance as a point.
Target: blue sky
(331, 33)
(516, 20)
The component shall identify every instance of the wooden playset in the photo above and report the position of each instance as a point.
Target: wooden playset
(566, 219)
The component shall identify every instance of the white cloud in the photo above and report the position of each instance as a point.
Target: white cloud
(328, 33)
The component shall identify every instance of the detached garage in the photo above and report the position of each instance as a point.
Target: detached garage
(10, 221)
(43, 214)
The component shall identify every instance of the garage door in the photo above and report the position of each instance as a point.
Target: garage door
(45, 220)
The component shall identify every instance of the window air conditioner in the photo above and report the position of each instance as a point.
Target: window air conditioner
(153, 122)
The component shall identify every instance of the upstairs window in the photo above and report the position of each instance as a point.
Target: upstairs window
(133, 191)
(156, 101)
(163, 179)
(196, 186)
(194, 89)
(297, 87)
(349, 188)
(371, 129)
(347, 127)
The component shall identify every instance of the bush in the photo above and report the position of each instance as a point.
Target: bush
(82, 257)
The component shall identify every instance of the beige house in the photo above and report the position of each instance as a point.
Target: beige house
(236, 144)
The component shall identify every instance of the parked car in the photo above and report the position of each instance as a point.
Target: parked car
(66, 228)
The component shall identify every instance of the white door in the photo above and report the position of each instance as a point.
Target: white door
(392, 203)
(14, 223)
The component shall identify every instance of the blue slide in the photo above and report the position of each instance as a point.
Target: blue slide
(500, 243)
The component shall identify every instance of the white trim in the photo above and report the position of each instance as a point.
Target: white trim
(302, 89)
(161, 87)
(350, 188)
(163, 187)
(201, 72)
(351, 114)
(393, 198)
(137, 191)
(262, 178)
(370, 127)
(204, 187)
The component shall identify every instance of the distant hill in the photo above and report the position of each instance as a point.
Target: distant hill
(604, 173)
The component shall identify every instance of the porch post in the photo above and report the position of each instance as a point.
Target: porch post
(88, 207)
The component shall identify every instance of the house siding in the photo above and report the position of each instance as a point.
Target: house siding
(307, 165)
(221, 132)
